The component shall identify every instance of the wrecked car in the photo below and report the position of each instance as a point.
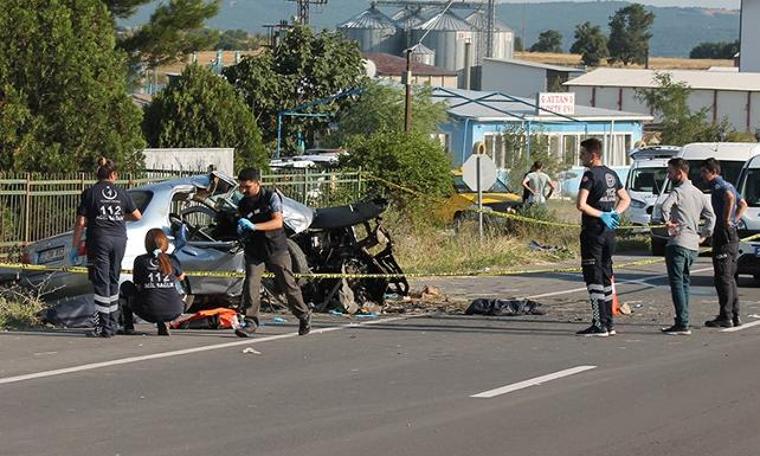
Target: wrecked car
(199, 214)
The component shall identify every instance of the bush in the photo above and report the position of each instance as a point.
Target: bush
(201, 109)
(19, 310)
(413, 161)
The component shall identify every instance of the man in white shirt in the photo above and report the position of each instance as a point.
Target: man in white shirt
(536, 183)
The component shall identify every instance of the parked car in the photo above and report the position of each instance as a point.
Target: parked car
(646, 178)
(199, 214)
(749, 187)
(499, 198)
(732, 157)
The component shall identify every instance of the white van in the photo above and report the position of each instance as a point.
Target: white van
(646, 178)
(732, 157)
(749, 188)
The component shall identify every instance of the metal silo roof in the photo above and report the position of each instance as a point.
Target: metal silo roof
(422, 49)
(479, 20)
(370, 18)
(408, 18)
(446, 22)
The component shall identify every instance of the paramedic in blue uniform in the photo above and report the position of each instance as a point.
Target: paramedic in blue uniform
(262, 232)
(601, 200)
(103, 210)
(153, 296)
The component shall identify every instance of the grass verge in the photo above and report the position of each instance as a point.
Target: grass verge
(19, 309)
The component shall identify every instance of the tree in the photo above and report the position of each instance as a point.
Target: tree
(548, 41)
(590, 43)
(679, 125)
(415, 161)
(303, 68)
(630, 35)
(63, 94)
(720, 50)
(171, 33)
(381, 108)
(201, 109)
(519, 46)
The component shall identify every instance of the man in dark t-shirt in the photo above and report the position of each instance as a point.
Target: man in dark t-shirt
(262, 231)
(601, 199)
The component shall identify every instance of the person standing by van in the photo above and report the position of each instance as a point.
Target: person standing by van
(682, 212)
(729, 207)
(536, 182)
(103, 211)
(601, 200)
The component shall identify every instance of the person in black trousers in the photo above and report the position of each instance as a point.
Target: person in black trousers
(729, 207)
(103, 210)
(601, 200)
(153, 296)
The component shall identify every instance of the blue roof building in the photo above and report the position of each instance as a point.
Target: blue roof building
(486, 116)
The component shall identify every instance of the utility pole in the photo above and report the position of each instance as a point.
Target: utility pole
(490, 27)
(303, 9)
(408, 98)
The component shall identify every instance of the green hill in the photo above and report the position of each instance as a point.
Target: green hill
(676, 30)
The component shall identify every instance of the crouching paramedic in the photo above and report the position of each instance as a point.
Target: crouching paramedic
(601, 200)
(266, 245)
(103, 210)
(153, 296)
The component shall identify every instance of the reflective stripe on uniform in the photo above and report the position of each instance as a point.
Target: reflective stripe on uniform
(102, 299)
(107, 309)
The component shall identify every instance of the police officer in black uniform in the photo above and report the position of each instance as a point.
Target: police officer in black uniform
(601, 200)
(103, 210)
(261, 230)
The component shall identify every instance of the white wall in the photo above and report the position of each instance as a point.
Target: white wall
(517, 80)
(750, 52)
(731, 104)
(197, 159)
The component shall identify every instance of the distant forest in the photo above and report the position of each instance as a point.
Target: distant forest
(676, 30)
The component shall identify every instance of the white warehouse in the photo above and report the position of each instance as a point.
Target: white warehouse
(734, 96)
(749, 59)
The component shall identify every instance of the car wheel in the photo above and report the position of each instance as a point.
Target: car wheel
(658, 247)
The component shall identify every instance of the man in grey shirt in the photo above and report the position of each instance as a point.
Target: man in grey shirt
(682, 211)
(535, 183)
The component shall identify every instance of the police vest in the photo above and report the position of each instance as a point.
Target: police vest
(262, 244)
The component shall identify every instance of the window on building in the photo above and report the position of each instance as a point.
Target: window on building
(445, 140)
(494, 143)
(570, 148)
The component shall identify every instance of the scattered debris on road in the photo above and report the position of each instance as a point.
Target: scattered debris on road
(504, 307)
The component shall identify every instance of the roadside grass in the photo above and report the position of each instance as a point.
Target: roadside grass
(423, 245)
(19, 311)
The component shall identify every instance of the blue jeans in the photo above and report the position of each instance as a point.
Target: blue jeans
(678, 260)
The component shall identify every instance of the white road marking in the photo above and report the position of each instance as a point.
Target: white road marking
(642, 282)
(188, 351)
(532, 382)
(739, 328)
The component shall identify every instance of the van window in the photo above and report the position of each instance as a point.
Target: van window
(648, 180)
(750, 191)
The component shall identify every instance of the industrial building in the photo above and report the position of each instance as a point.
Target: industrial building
(486, 116)
(522, 78)
(749, 60)
(725, 95)
(393, 68)
(444, 33)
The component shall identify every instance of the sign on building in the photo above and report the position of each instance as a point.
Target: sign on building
(556, 102)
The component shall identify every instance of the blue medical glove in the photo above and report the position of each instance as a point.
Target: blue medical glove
(610, 219)
(245, 225)
(73, 256)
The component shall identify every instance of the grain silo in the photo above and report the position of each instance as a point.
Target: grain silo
(503, 38)
(446, 35)
(374, 31)
(423, 54)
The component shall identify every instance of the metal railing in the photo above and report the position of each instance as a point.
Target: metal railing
(34, 206)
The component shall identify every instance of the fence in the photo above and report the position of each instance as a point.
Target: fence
(33, 206)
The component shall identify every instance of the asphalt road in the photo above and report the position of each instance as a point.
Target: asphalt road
(401, 385)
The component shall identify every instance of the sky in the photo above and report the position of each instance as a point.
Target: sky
(733, 4)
